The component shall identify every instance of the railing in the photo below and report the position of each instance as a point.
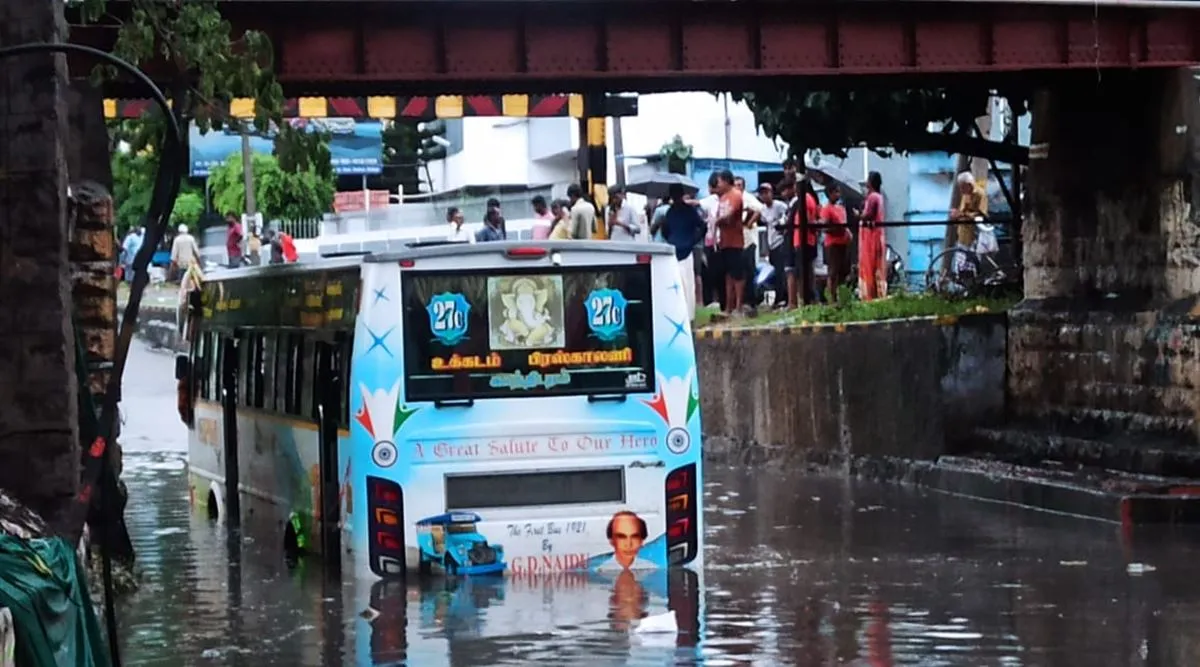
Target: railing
(300, 229)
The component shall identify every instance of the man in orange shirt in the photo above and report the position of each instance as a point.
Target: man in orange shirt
(837, 241)
(731, 242)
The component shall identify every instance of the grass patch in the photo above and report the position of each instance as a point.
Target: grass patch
(898, 306)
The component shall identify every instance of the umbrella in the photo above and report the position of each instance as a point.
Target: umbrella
(848, 183)
(657, 185)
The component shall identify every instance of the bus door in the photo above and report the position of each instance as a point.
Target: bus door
(228, 363)
(328, 391)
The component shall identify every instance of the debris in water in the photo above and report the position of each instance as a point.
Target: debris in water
(659, 623)
(1139, 568)
(211, 654)
(369, 614)
(1072, 563)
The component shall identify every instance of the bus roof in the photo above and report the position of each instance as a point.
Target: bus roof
(461, 249)
(449, 518)
(287, 268)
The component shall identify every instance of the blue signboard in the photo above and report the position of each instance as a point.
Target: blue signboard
(355, 147)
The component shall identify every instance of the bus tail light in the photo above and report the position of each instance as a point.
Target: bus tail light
(386, 517)
(407, 263)
(678, 503)
(678, 530)
(386, 541)
(643, 259)
(681, 518)
(526, 252)
(385, 523)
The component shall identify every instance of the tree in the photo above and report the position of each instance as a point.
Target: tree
(676, 154)
(302, 150)
(282, 195)
(188, 209)
(883, 120)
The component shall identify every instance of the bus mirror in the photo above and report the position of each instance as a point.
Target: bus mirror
(183, 367)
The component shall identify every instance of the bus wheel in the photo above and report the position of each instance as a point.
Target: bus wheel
(211, 508)
(451, 566)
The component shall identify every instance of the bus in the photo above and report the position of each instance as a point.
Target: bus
(507, 408)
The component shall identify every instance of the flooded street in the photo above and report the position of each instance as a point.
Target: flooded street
(801, 570)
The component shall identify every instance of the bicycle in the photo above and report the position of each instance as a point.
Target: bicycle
(895, 271)
(966, 272)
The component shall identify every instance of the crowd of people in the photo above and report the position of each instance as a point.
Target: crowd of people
(717, 237)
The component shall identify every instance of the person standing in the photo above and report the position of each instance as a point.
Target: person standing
(583, 214)
(872, 246)
(130, 248)
(458, 232)
(233, 239)
(752, 210)
(713, 281)
(802, 282)
(184, 251)
(622, 218)
(493, 227)
(774, 218)
(684, 228)
(837, 241)
(731, 245)
(561, 229)
(544, 219)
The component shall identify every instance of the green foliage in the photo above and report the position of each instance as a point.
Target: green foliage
(676, 154)
(133, 185)
(401, 163)
(883, 120)
(188, 209)
(210, 64)
(281, 195)
(898, 306)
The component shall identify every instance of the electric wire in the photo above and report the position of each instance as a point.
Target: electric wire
(162, 202)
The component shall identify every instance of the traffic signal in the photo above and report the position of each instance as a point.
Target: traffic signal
(431, 141)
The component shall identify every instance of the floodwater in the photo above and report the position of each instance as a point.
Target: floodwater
(802, 570)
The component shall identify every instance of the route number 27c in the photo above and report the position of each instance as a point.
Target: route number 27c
(606, 314)
(447, 317)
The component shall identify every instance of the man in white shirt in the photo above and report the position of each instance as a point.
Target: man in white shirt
(582, 214)
(774, 218)
(751, 210)
(713, 278)
(622, 218)
(184, 251)
(458, 231)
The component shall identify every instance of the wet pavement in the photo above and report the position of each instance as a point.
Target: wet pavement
(802, 570)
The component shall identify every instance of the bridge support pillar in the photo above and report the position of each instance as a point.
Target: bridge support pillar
(1108, 337)
(593, 163)
(38, 413)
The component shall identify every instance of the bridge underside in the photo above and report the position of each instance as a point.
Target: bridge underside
(359, 48)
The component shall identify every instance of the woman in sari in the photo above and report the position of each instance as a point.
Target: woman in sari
(872, 247)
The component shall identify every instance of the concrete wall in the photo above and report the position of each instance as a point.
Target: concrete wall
(835, 393)
(1106, 339)
(38, 411)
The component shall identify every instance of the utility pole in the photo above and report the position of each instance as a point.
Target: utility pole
(248, 181)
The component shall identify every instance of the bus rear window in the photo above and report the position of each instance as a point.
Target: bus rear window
(512, 333)
(535, 489)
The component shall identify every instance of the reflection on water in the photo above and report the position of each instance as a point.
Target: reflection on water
(801, 571)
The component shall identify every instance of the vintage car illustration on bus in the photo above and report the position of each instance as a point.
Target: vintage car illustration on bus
(452, 541)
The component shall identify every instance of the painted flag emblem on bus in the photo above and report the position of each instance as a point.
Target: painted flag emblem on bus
(675, 403)
(382, 415)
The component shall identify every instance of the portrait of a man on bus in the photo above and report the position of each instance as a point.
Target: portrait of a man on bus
(626, 533)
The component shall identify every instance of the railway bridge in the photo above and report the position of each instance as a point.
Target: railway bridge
(1112, 245)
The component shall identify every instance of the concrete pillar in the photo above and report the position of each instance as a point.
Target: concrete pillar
(593, 170)
(38, 413)
(1105, 336)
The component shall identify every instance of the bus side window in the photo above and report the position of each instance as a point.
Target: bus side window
(295, 375)
(307, 365)
(271, 388)
(200, 366)
(341, 366)
(213, 367)
(245, 361)
(254, 395)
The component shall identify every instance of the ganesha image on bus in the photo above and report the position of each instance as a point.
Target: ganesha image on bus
(453, 542)
(626, 533)
(525, 312)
